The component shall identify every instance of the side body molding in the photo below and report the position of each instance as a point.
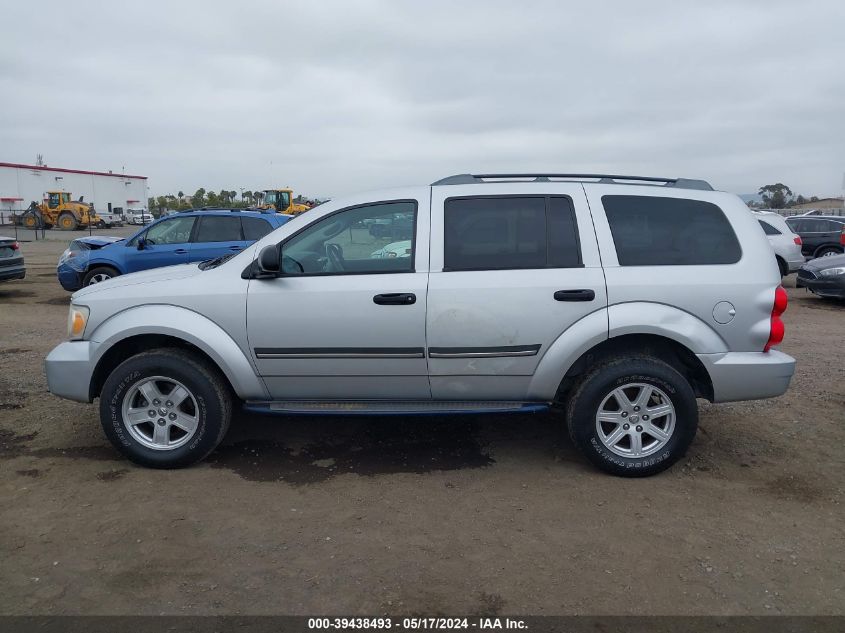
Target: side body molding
(189, 326)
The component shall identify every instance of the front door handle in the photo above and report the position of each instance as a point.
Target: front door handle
(180, 251)
(575, 295)
(234, 248)
(395, 299)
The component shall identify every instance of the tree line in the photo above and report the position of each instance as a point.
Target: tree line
(203, 198)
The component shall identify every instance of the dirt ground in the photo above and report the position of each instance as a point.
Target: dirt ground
(469, 515)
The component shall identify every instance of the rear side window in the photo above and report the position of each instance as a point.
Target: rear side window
(255, 228)
(657, 231)
(768, 229)
(510, 232)
(219, 229)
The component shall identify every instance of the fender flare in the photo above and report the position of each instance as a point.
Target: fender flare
(614, 321)
(189, 326)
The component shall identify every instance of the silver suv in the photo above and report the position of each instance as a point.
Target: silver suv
(621, 300)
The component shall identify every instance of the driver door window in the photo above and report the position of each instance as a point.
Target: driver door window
(377, 238)
(175, 231)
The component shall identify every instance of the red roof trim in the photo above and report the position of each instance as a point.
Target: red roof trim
(70, 171)
(10, 199)
(133, 201)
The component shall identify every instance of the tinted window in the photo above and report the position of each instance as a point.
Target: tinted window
(376, 238)
(653, 231)
(496, 233)
(219, 229)
(768, 229)
(173, 231)
(255, 228)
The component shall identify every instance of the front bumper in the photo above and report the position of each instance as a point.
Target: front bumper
(748, 375)
(826, 286)
(69, 368)
(69, 278)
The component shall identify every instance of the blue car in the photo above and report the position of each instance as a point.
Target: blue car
(192, 236)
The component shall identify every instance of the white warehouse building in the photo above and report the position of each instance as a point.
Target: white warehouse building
(22, 184)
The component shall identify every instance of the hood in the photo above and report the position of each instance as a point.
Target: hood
(820, 263)
(100, 240)
(168, 273)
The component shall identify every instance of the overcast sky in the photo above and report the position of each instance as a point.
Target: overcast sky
(335, 97)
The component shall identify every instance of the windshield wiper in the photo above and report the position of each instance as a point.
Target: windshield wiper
(214, 263)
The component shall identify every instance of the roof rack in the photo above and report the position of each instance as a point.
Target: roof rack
(608, 179)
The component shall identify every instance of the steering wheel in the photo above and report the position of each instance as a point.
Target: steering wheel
(335, 254)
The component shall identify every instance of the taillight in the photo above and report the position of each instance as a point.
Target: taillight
(777, 330)
(797, 240)
(842, 237)
(15, 246)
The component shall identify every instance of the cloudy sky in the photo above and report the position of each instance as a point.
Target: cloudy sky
(331, 97)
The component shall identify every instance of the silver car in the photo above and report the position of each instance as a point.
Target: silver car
(785, 243)
(615, 301)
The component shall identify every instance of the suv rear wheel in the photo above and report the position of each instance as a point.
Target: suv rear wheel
(165, 408)
(633, 417)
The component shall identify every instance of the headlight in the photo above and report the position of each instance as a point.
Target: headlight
(77, 318)
(832, 272)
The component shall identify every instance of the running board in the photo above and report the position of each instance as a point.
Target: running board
(392, 407)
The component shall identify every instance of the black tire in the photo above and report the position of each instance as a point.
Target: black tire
(784, 271)
(827, 250)
(95, 275)
(206, 385)
(589, 393)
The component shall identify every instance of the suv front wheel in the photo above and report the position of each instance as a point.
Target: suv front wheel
(165, 408)
(633, 416)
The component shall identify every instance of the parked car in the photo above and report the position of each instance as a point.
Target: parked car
(11, 260)
(785, 243)
(824, 276)
(109, 220)
(138, 216)
(820, 236)
(188, 237)
(618, 302)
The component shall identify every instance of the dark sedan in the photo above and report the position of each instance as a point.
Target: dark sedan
(11, 259)
(824, 276)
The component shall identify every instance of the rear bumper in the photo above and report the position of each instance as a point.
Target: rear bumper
(748, 375)
(69, 368)
(16, 271)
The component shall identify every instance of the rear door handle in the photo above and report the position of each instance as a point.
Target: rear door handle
(234, 248)
(575, 295)
(395, 299)
(180, 251)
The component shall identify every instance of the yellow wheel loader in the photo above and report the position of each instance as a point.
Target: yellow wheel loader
(282, 201)
(59, 211)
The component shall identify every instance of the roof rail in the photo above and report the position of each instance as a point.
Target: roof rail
(609, 179)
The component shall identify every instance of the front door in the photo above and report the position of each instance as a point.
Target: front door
(346, 319)
(510, 273)
(164, 244)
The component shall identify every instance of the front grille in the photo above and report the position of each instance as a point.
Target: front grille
(803, 273)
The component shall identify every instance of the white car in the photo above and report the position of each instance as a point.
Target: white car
(785, 243)
(394, 249)
(138, 216)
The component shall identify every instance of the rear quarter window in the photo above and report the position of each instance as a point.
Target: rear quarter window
(658, 231)
(255, 228)
(768, 229)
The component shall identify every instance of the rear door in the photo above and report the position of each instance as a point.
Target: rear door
(510, 273)
(216, 235)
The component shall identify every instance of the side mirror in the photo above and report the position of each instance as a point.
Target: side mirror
(142, 244)
(269, 262)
